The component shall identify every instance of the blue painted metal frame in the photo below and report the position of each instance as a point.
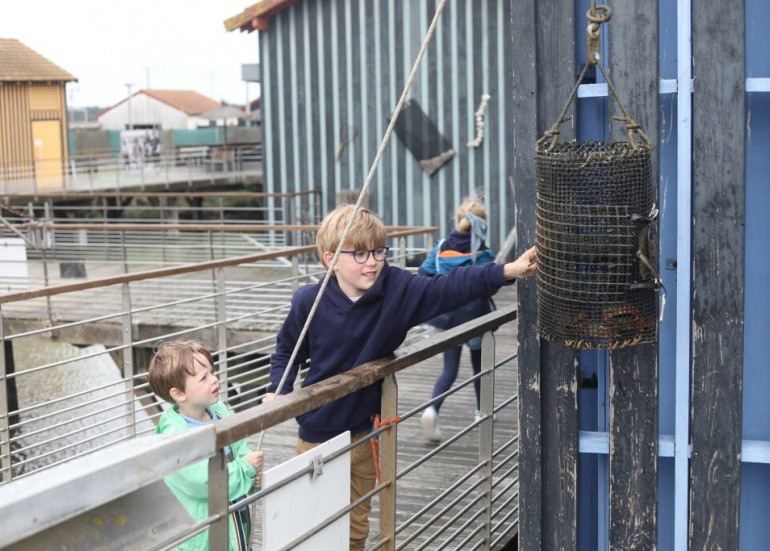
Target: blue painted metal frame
(675, 153)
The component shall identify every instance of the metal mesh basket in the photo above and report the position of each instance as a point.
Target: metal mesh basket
(594, 201)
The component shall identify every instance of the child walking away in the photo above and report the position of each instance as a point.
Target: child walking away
(366, 310)
(463, 247)
(182, 373)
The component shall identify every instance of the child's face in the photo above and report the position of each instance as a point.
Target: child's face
(202, 388)
(354, 278)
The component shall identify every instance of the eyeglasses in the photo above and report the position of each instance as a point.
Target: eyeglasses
(361, 256)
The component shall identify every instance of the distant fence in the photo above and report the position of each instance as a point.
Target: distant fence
(116, 171)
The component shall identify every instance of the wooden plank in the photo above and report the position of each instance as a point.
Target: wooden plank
(633, 458)
(560, 445)
(555, 79)
(524, 129)
(719, 129)
(633, 449)
(543, 70)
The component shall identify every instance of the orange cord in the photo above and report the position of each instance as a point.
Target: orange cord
(376, 441)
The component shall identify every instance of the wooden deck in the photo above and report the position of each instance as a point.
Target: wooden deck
(427, 481)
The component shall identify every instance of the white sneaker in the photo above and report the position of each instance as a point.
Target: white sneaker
(430, 428)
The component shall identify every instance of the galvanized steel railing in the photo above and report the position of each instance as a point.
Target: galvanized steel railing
(476, 510)
(116, 171)
(50, 412)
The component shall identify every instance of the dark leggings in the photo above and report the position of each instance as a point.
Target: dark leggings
(451, 368)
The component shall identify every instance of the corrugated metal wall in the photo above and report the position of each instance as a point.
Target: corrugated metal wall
(15, 132)
(332, 65)
(21, 105)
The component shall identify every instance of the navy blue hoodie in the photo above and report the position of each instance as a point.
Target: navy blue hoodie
(345, 334)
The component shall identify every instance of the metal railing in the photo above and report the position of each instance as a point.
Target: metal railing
(120, 232)
(116, 171)
(475, 510)
(72, 376)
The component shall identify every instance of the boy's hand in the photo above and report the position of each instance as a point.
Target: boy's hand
(522, 267)
(257, 460)
(269, 396)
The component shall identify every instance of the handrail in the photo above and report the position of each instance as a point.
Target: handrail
(159, 194)
(248, 422)
(141, 463)
(177, 270)
(200, 227)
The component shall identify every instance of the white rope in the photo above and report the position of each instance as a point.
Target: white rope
(369, 178)
(479, 116)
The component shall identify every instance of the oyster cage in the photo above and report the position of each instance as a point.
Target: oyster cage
(594, 201)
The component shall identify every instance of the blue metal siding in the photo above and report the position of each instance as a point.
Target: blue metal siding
(755, 477)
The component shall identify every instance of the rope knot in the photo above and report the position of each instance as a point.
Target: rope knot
(375, 439)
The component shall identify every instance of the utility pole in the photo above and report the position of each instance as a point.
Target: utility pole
(129, 85)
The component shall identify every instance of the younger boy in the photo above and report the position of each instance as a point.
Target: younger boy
(364, 315)
(182, 373)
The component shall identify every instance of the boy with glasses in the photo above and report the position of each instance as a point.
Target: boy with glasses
(367, 308)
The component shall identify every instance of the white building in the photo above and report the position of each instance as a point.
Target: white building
(158, 110)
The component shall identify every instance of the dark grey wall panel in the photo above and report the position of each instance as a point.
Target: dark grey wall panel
(633, 461)
(522, 17)
(555, 80)
(719, 126)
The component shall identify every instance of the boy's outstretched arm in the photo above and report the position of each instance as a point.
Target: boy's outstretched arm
(522, 267)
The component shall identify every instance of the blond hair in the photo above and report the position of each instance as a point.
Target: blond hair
(475, 207)
(172, 363)
(367, 231)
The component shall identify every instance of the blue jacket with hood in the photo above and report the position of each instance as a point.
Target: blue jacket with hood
(345, 334)
(448, 254)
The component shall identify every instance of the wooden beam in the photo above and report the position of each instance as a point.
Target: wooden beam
(633, 459)
(543, 76)
(524, 127)
(256, 15)
(718, 272)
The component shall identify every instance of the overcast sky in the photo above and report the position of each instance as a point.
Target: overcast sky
(160, 44)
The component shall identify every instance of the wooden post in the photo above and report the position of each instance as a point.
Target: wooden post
(718, 272)
(218, 501)
(543, 74)
(633, 393)
(388, 465)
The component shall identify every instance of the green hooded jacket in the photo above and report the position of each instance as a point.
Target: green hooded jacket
(190, 485)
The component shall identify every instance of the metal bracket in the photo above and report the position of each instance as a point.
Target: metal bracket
(318, 467)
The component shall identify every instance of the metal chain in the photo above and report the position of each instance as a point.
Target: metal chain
(597, 15)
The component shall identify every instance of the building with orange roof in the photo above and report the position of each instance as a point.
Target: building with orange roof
(158, 110)
(33, 119)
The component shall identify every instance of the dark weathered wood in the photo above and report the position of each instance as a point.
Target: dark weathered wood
(521, 18)
(633, 449)
(543, 73)
(560, 446)
(633, 459)
(718, 190)
(556, 78)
